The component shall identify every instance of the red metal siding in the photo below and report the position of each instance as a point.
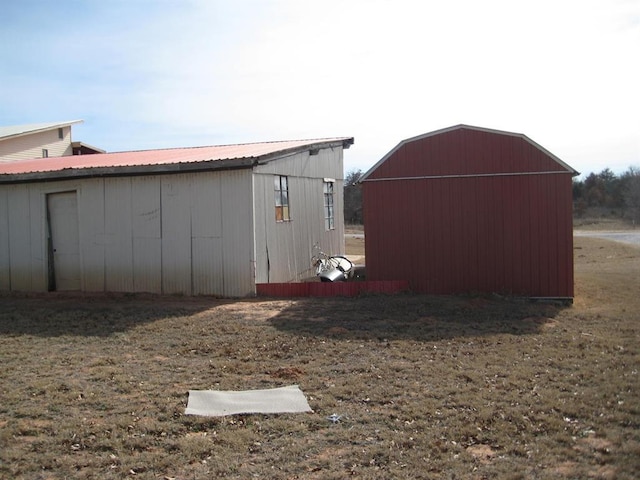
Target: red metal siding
(328, 289)
(506, 234)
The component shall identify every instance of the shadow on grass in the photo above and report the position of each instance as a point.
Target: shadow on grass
(406, 316)
(417, 317)
(91, 315)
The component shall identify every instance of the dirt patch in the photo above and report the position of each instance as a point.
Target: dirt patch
(337, 331)
(602, 270)
(288, 373)
(355, 248)
(483, 453)
(594, 444)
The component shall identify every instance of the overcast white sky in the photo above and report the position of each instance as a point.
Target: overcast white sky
(176, 73)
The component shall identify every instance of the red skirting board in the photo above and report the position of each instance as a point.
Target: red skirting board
(330, 289)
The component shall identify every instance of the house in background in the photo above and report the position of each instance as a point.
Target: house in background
(194, 221)
(41, 140)
(471, 210)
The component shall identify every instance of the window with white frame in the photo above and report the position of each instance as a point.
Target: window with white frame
(282, 198)
(329, 219)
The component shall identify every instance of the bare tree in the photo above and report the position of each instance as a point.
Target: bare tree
(353, 198)
(631, 180)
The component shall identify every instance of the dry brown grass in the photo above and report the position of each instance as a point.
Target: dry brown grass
(428, 387)
(355, 247)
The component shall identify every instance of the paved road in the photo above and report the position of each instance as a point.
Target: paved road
(630, 237)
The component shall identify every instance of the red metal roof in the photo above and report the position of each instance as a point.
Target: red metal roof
(449, 143)
(173, 156)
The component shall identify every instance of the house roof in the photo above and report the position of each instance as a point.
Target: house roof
(173, 160)
(19, 130)
(468, 127)
(87, 147)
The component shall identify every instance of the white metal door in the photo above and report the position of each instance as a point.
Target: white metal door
(64, 245)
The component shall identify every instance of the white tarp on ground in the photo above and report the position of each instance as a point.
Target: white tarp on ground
(214, 403)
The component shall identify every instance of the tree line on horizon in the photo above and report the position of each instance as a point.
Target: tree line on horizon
(604, 192)
(615, 195)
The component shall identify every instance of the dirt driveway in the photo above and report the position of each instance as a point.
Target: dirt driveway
(631, 237)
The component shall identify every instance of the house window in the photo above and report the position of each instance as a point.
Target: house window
(282, 198)
(45, 153)
(329, 222)
(60, 133)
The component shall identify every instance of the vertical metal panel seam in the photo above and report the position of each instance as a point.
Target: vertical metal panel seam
(6, 191)
(161, 238)
(192, 195)
(9, 243)
(29, 220)
(132, 237)
(253, 231)
(104, 230)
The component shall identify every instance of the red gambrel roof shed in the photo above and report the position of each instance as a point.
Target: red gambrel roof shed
(471, 210)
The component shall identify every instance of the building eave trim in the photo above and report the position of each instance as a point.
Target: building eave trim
(126, 171)
(345, 143)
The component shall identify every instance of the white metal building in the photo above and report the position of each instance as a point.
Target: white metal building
(195, 221)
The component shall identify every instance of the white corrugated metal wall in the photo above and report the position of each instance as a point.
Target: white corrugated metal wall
(5, 277)
(183, 233)
(24, 253)
(179, 233)
(284, 249)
